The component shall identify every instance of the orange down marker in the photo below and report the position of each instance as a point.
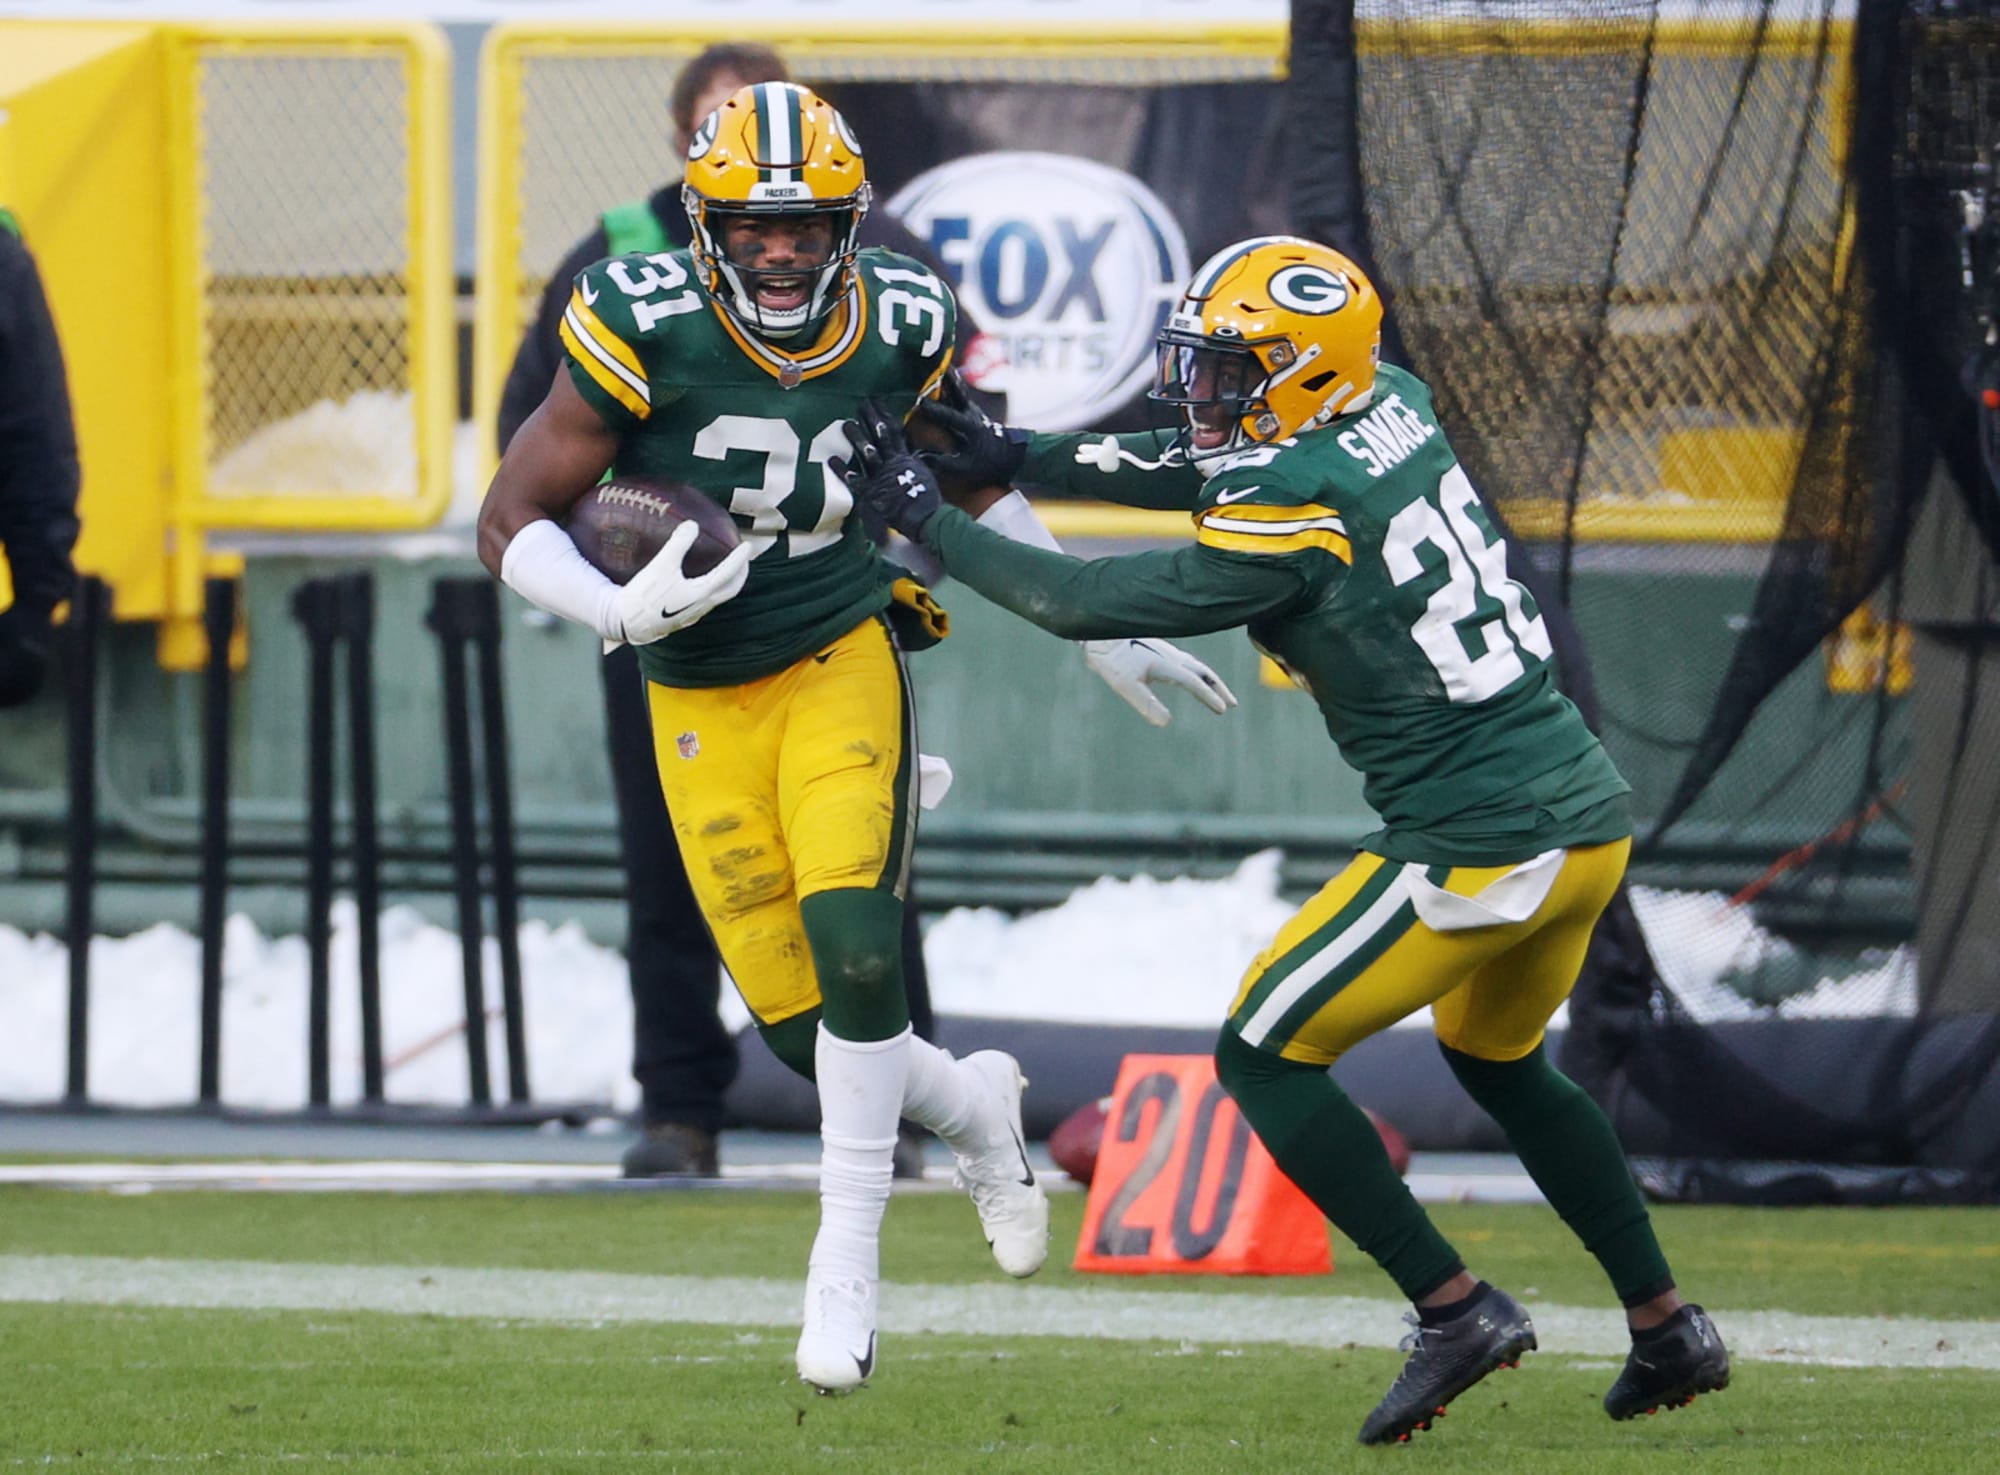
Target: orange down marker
(1183, 1185)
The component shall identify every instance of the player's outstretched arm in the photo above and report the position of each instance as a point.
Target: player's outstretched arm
(1130, 665)
(970, 449)
(1183, 592)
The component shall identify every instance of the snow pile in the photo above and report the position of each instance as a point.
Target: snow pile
(145, 1015)
(365, 444)
(1139, 951)
(1159, 952)
(1718, 962)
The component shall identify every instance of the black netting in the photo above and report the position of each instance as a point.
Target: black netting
(1705, 291)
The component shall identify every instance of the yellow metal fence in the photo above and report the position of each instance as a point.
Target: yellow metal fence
(245, 231)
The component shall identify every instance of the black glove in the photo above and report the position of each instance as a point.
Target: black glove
(890, 485)
(25, 638)
(983, 453)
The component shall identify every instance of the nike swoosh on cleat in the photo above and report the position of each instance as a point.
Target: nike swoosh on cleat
(1027, 1168)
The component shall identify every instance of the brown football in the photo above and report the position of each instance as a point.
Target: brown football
(621, 524)
(1074, 1143)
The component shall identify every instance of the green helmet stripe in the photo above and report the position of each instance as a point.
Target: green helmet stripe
(763, 104)
(1204, 283)
(780, 130)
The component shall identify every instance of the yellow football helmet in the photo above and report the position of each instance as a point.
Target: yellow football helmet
(775, 149)
(1273, 336)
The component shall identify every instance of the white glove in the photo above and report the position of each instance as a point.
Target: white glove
(660, 599)
(1131, 667)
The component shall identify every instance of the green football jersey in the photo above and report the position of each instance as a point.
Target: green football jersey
(698, 399)
(1358, 557)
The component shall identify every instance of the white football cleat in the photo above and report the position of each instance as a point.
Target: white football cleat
(837, 1348)
(994, 1168)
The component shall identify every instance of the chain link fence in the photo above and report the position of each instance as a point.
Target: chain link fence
(322, 294)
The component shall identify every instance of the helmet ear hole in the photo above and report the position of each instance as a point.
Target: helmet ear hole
(1319, 381)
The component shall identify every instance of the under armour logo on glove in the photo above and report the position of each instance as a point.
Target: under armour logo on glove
(890, 485)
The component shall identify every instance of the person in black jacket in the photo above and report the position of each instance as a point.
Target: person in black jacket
(38, 471)
(683, 1057)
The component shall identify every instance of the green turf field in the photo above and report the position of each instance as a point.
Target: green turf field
(538, 1382)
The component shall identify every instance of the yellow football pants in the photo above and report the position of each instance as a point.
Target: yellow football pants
(794, 784)
(1361, 955)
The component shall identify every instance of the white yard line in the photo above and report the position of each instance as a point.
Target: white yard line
(591, 1297)
(427, 1177)
(362, 1176)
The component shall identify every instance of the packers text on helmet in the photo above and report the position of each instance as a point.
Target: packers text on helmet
(1273, 336)
(776, 151)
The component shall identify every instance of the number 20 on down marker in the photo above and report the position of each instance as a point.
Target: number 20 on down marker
(1183, 1185)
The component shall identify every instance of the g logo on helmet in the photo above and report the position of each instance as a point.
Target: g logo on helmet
(1312, 290)
(704, 138)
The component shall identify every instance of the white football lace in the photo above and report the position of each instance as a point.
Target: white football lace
(1414, 1338)
(986, 1180)
(852, 1290)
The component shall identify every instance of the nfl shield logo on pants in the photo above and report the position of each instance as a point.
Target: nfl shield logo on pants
(688, 744)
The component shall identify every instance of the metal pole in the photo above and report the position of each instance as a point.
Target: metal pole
(358, 619)
(219, 624)
(86, 615)
(485, 597)
(312, 607)
(447, 619)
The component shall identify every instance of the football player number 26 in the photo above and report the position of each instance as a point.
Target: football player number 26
(1116, 1235)
(1478, 623)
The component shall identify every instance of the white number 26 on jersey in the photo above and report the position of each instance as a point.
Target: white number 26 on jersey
(1450, 630)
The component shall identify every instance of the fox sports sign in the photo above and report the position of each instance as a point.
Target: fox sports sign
(1072, 266)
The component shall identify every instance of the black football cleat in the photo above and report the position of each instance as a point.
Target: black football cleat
(1446, 1360)
(672, 1150)
(1669, 1370)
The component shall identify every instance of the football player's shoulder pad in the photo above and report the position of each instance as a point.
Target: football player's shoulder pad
(875, 260)
(1270, 476)
(638, 298)
(1270, 502)
(913, 304)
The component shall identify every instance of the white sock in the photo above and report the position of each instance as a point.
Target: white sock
(940, 1095)
(861, 1086)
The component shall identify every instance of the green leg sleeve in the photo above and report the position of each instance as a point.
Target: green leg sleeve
(794, 1040)
(1567, 1145)
(857, 946)
(1327, 1145)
